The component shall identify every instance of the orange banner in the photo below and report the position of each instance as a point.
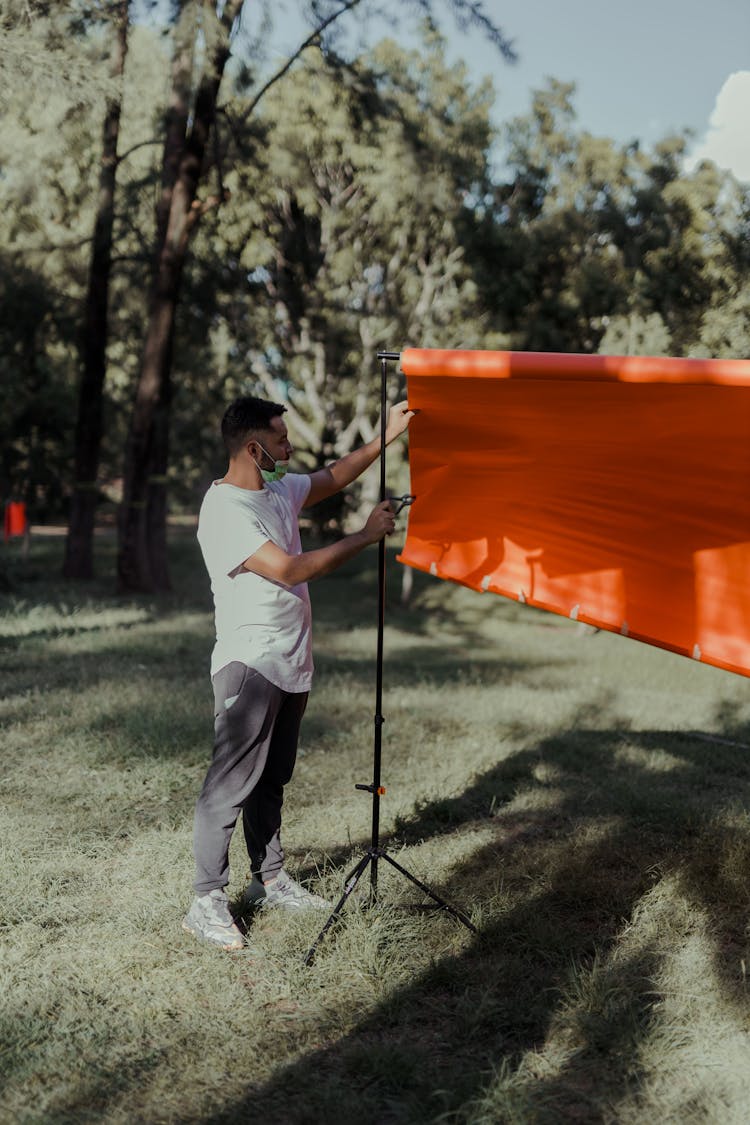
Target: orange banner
(612, 490)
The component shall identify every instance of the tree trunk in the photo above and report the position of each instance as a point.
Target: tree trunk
(88, 433)
(156, 507)
(142, 557)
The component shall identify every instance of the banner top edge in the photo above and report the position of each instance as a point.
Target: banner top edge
(468, 363)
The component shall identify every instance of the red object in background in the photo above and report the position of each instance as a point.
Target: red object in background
(15, 519)
(611, 489)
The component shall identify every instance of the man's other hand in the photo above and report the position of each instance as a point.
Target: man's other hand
(380, 522)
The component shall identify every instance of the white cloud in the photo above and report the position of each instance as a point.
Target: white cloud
(727, 140)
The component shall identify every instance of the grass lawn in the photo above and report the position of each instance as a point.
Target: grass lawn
(583, 797)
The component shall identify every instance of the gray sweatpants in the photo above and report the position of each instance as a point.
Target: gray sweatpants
(256, 729)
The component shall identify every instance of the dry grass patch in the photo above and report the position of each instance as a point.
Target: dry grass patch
(584, 798)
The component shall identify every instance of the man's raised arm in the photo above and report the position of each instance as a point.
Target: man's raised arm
(325, 482)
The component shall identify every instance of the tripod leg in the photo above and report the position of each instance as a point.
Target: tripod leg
(431, 894)
(351, 881)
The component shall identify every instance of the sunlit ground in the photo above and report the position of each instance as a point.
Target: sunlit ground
(584, 798)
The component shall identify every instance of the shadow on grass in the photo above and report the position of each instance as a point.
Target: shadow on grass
(566, 873)
(422, 664)
(40, 574)
(96, 1088)
(174, 663)
(431, 607)
(172, 659)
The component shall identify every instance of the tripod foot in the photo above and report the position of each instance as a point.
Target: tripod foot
(371, 857)
(457, 914)
(351, 881)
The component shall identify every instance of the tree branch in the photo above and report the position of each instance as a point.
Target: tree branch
(51, 247)
(312, 38)
(259, 368)
(134, 148)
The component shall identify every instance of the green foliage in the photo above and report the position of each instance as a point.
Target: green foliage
(340, 237)
(725, 329)
(367, 209)
(49, 153)
(586, 235)
(59, 47)
(54, 79)
(37, 344)
(635, 335)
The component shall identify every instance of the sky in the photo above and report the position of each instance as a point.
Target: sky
(643, 69)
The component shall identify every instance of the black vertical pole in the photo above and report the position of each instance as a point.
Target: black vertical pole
(375, 851)
(379, 720)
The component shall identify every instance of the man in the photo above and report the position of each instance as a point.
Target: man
(261, 666)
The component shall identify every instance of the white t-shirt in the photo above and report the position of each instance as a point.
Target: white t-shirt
(259, 622)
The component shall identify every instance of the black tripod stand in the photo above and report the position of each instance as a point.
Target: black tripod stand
(375, 852)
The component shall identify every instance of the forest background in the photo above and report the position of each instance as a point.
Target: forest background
(184, 218)
(181, 223)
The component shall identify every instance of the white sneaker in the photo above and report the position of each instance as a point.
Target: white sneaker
(209, 918)
(283, 891)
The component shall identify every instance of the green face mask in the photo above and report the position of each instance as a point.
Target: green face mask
(278, 471)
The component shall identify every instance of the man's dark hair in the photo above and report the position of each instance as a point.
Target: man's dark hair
(245, 417)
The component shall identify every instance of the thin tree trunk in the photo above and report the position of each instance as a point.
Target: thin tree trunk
(142, 558)
(88, 433)
(156, 508)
